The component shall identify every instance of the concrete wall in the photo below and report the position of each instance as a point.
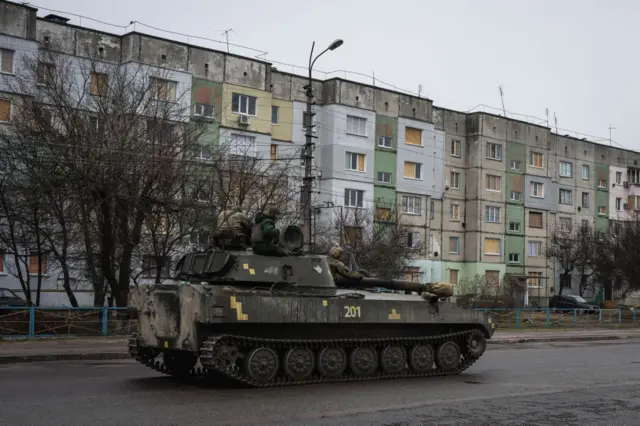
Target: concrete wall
(23, 51)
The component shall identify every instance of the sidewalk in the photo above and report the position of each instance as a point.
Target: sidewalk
(100, 348)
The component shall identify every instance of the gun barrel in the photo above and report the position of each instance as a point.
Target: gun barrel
(368, 282)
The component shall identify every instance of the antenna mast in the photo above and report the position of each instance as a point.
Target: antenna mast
(226, 33)
(504, 111)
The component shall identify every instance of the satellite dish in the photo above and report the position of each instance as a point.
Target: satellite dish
(293, 238)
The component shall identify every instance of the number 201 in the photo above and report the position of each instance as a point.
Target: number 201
(352, 311)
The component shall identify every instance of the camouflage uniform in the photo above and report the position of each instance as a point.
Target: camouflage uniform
(265, 237)
(234, 227)
(337, 267)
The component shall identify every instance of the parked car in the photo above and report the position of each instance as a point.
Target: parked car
(9, 299)
(573, 302)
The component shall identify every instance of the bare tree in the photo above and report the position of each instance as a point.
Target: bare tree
(573, 250)
(379, 244)
(118, 136)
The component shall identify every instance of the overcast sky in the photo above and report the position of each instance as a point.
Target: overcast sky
(574, 57)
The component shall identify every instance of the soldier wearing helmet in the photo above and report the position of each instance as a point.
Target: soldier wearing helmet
(265, 237)
(337, 267)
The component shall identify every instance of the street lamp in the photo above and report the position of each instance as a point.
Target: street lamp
(308, 147)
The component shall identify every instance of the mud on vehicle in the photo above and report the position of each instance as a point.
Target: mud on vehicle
(237, 317)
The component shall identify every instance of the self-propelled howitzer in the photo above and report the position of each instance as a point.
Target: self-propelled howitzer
(263, 321)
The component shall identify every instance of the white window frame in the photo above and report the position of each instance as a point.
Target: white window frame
(534, 248)
(239, 110)
(565, 223)
(356, 125)
(515, 165)
(515, 195)
(353, 198)
(494, 151)
(533, 192)
(586, 172)
(618, 204)
(588, 203)
(568, 193)
(455, 143)
(13, 61)
(515, 228)
(349, 160)
(566, 169)
(531, 155)
(517, 257)
(382, 174)
(200, 109)
(498, 178)
(275, 108)
(240, 142)
(382, 142)
(618, 178)
(452, 217)
(455, 183)
(602, 210)
(602, 183)
(412, 205)
(492, 214)
(457, 239)
(418, 171)
(633, 176)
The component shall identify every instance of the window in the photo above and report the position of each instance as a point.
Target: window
(565, 196)
(356, 125)
(413, 240)
(453, 276)
(455, 180)
(515, 196)
(514, 226)
(273, 152)
(45, 73)
(492, 278)
(411, 205)
(454, 245)
(536, 189)
(353, 197)
(535, 220)
(158, 132)
(585, 223)
(412, 170)
(565, 224)
(243, 104)
(151, 264)
(514, 257)
(566, 169)
(275, 114)
(633, 176)
(6, 61)
(602, 183)
(618, 178)
(534, 280)
(494, 183)
(454, 212)
(618, 204)
(535, 159)
(33, 264)
(5, 110)
(163, 90)
(244, 145)
(203, 110)
(515, 165)
(585, 199)
(492, 246)
(355, 162)
(494, 151)
(383, 213)
(384, 177)
(456, 148)
(602, 209)
(585, 172)
(492, 214)
(412, 136)
(99, 84)
(204, 154)
(535, 248)
(385, 142)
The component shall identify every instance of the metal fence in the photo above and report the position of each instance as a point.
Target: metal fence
(64, 321)
(562, 318)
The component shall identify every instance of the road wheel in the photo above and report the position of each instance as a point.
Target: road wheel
(448, 356)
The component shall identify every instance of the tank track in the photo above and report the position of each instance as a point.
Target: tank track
(149, 359)
(230, 373)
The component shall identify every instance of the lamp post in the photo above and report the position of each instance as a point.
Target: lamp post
(308, 149)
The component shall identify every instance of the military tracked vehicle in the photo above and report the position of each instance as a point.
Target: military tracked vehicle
(238, 317)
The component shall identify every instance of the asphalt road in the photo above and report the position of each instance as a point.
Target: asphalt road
(595, 383)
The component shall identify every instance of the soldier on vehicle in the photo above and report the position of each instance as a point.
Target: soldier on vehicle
(233, 228)
(265, 237)
(337, 267)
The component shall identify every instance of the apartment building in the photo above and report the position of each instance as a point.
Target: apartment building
(482, 193)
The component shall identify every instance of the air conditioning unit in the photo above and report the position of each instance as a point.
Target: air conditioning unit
(243, 119)
(625, 184)
(625, 206)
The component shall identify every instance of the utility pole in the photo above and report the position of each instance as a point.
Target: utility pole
(307, 181)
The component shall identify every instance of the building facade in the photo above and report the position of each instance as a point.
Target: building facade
(481, 193)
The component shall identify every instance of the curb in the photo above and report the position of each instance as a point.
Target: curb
(64, 357)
